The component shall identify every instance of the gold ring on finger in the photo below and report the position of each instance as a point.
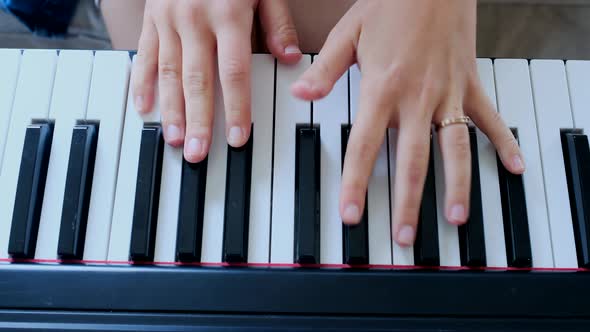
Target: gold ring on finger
(452, 121)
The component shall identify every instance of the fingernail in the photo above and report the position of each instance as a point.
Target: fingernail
(457, 214)
(173, 133)
(292, 49)
(517, 163)
(406, 235)
(236, 134)
(194, 147)
(351, 213)
(139, 103)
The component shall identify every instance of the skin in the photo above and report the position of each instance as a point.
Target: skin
(418, 65)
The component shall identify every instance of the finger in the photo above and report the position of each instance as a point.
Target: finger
(234, 72)
(490, 122)
(335, 57)
(145, 68)
(170, 85)
(198, 75)
(278, 26)
(413, 155)
(366, 138)
(456, 154)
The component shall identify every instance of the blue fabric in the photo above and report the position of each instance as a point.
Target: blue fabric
(43, 17)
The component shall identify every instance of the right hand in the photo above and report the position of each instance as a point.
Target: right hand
(178, 45)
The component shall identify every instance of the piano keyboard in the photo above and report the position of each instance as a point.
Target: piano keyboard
(85, 178)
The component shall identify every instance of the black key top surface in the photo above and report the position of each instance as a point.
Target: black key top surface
(191, 207)
(516, 225)
(307, 195)
(355, 238)
(30, 190)
(471, 234)
(426, 252)
(577, 167)
(147, 194)
(237, 203)
(80, 172)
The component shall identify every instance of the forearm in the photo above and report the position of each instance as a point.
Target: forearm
(123, 20)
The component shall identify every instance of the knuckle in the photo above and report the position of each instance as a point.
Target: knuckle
(462, 146)
(236, 71)
(228, 12)
(196, 83)
(169, 71)
(284, 29)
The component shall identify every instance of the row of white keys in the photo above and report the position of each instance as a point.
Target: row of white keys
(106, 104)
(330, 113)
(552, 104)
(9, 67)
(515, 104)
(32, 99)
(262, 82)
(122, 221)
(380, 247)
(289, 111)
(68, 105)
(488, 173)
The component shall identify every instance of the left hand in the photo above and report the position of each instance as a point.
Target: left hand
(418, 66)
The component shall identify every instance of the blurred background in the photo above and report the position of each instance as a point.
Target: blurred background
(520, 29)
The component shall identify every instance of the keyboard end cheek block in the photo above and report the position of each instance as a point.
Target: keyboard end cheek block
(145, 213)
(30, 190)
(77, 192)
(307, 195)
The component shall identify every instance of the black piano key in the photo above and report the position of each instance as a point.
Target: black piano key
(80, 172)
(577, 167)
(237, 203)
(307, 195)
(30, 190)
(190, 211)
(426, 251)
(471, 234)
(516, 225)
(355, 238)
(147, 194)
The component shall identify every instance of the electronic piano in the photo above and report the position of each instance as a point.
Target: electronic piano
(103, 226)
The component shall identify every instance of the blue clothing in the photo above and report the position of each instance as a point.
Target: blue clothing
(43, 17)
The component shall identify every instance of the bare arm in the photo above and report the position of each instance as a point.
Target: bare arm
(123, 20)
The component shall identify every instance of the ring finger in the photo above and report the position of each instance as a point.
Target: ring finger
(455, 149)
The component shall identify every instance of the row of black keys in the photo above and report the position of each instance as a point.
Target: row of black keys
(33, 171)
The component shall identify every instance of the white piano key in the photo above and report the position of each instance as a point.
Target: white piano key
(330, 113)
(515, 103)
(552, 104)
(168, 206)
(488, 171)
(120, 237)
(380, 247)
(32, 99)
(9, 67)
(263, 70)
(289, 111)
(401, 256)
(106, 104)
(68, 105)
(211, 246)
(448, 235)
(578, 75)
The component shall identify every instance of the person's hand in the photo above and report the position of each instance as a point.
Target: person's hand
(178, 47)
(418, 65)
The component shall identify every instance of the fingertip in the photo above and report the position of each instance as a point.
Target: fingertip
(517, 165)
(350, 213)
(406, 235)
(237, 136)
(307, 90)
(173, 135)
(457, 214)
(195, 150)
(290, 55)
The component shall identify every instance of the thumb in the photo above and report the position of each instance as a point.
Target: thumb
(278, 26)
